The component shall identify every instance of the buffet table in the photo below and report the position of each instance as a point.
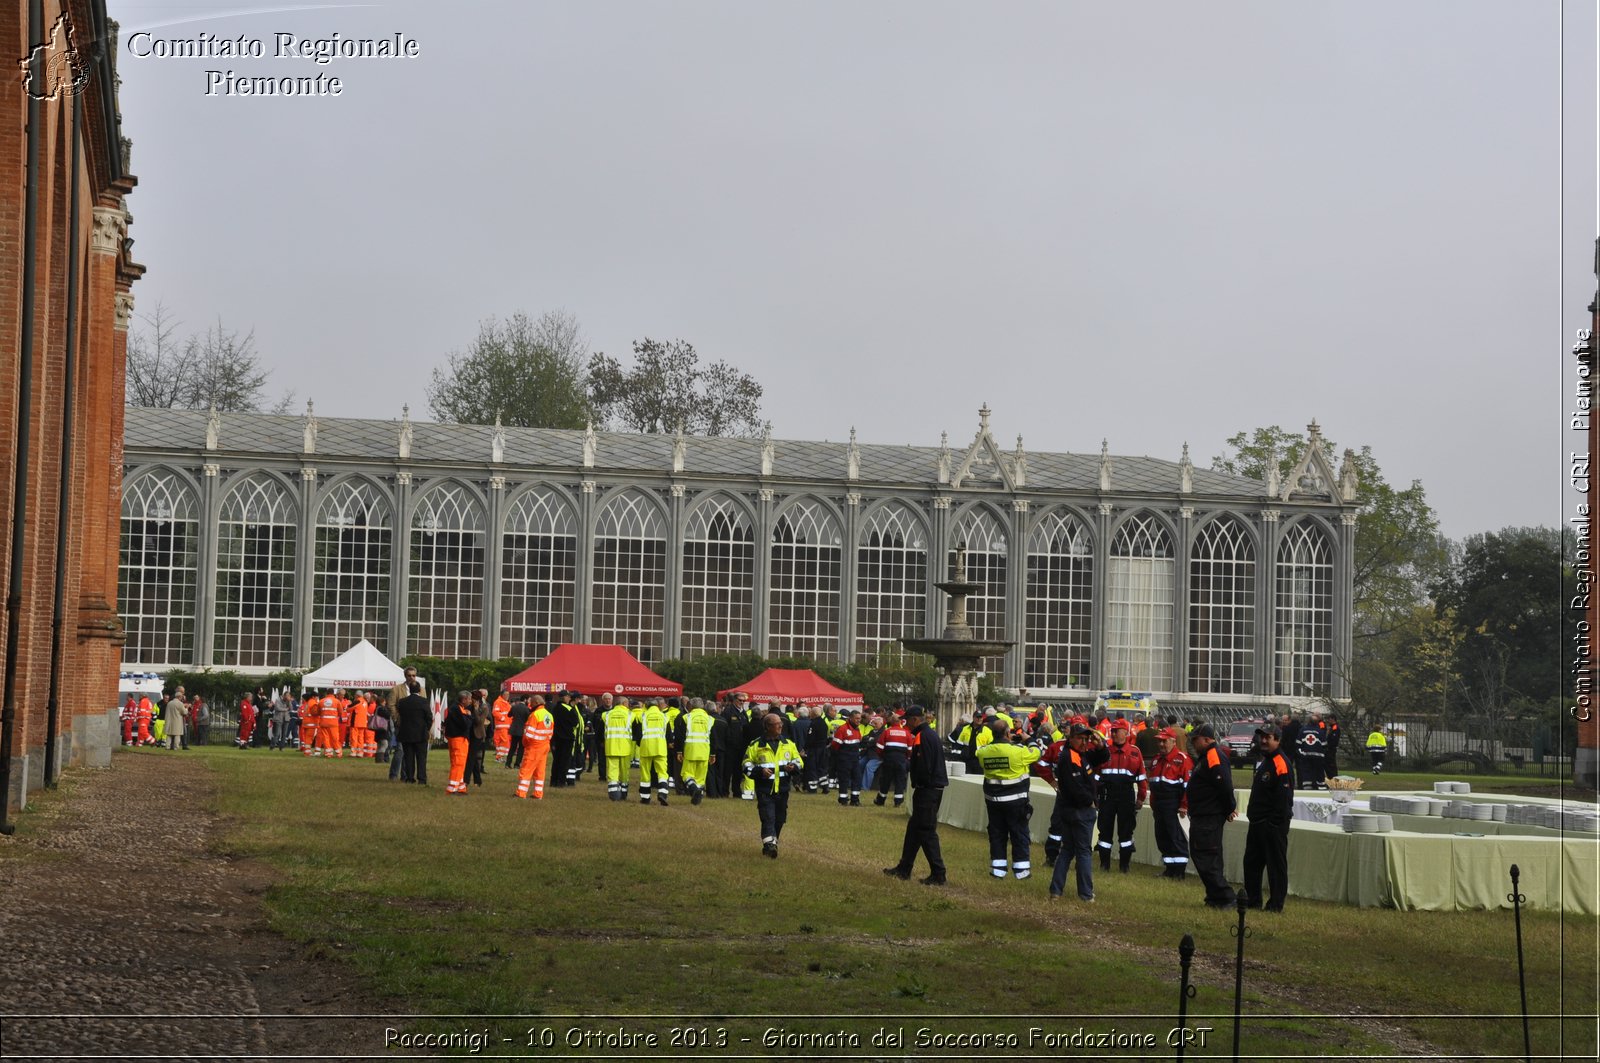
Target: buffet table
(1434, 864)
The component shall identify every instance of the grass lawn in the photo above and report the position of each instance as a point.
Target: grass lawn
(489, 906)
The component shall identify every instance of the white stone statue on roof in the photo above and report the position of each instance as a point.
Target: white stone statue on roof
(405, 431)
(1186, 472)
(590, 445)
(852, 458)
(497, 445)
(213, 428)
(767, 453)
(309, 442)
(1105, 465)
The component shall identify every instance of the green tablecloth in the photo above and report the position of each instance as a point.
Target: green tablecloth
(1400, 869)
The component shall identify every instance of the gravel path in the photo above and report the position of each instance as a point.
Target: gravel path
(126, 934)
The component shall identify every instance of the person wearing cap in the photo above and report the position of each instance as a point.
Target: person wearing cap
(1122, 793)
(1006, 782)
(772, 762)
(1266, 845)
(1066, 766)
(1169, 772)
(846, 745)
(928, 780)
(1211, 803)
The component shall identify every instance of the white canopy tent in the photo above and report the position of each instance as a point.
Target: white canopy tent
(361, 666)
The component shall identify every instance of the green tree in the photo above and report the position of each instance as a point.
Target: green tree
(1399, 553)
(1505, 589)
(528, 372)
(666, 388)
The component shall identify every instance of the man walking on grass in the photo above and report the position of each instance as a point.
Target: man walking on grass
(772, 762)
(928, 780)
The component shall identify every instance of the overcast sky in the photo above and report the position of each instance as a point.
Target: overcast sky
(1152, 222)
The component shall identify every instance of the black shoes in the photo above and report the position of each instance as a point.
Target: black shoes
(895, 872)
(855, 800)
(879, 800)
(698, 796)
(661, 798)
(935, 880)
(769, 850)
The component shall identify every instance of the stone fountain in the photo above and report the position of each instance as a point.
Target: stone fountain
(958, 653)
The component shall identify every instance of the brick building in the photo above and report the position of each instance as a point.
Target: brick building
(65, 278)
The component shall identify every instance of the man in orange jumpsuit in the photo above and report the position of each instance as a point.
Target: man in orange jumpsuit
(328, 727)
(457, 729)
(344, 720)
(144, 714)
(535, 749)
(358, 726)
(129, 711)
(501, 713)
(310, 708)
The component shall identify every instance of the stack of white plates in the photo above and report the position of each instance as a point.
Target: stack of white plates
(1580, 821)
(1444, 787)
(1366, 823)
(954, 768)
(1436, 806)
(1499, 812)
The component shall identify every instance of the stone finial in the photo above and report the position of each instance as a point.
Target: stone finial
(768, 455)
(1185, 472)
(1314, 430)
(1274, 475)
(1349, 480)
(404, 448)
(1019, 465)
(852, 458)
(1105, 465)
(680, 449)
(983, 418)
(309, 443)
(213, 428)
(497, 443)
(591, 443)
(944, 457)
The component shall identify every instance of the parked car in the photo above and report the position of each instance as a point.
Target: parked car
(1240, 742)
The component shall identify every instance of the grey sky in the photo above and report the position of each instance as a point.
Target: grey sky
(1150, 222)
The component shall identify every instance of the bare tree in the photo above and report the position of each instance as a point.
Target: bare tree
(158, 363)
(218, 368)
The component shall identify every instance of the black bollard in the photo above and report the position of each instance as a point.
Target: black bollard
(1240, 933)
(1516, 898)
(1186, 991)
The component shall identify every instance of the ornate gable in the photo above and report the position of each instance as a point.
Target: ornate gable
(1312, 476)
(983, 465)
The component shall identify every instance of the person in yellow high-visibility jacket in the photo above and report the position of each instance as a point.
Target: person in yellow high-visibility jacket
(772, 762)
(1006, 782)
(1377, 749)
(617, 725)
(696, 755)
(651, 735)
(535, 737)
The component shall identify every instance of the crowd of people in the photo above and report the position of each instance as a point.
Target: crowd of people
(1104, 769)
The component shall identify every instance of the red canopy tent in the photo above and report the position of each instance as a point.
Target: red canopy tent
(793, 686)
(591, 670)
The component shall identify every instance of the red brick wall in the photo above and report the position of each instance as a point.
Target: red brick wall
(91, 638)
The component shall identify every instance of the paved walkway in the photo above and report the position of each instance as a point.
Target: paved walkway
(122, 919)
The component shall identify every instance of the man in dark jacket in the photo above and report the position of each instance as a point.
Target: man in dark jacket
(519, 724)
(1271, 807)
(1211, 802)
(414, 719)
(928, 780)
(1074, 814)
(567, 743)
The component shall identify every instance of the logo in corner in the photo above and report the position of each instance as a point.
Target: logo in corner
(57, 63)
